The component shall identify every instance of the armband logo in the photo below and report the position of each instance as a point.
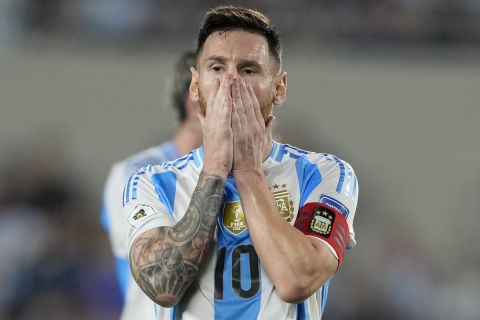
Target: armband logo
(139, 213)
(284, 201)
(322, 221)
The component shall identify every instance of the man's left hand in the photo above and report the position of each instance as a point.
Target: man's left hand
(249, 129)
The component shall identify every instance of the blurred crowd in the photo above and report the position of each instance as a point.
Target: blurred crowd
(55, 260)
(392, 21)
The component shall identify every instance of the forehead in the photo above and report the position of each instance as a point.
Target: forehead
(236, 45)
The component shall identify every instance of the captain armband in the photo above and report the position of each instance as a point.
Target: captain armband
(326, 223)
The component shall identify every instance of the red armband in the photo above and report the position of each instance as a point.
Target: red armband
(324, 222)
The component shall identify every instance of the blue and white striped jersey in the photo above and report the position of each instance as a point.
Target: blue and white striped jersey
(233, 283)
(136, 304)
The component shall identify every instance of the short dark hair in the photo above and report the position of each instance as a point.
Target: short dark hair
(229, 18)
(180, 83)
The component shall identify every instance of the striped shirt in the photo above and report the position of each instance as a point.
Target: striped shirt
(233, 284)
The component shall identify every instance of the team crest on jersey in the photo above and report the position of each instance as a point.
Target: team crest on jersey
(233, 217)
(283, 199)
(322, 221)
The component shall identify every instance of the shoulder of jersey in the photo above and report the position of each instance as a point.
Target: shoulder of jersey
(286, 152)
(185, 162)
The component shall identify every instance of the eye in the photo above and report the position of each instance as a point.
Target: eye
(248, 71)
(216, 68)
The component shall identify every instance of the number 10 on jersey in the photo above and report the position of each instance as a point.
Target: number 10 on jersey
(243, 256)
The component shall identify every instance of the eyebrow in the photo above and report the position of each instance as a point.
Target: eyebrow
(242, 62)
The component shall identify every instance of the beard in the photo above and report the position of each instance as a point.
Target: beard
(265, 106)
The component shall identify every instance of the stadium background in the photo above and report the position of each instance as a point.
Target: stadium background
(392, 86)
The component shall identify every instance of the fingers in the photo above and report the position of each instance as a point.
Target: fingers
(246, 100)
(238, 101)
(251, 104)
(220, 102)
(257, 113)
(225, 109)
(211, 99)
(236, 123)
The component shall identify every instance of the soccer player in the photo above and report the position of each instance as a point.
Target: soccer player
(242, 227)
(188, 136)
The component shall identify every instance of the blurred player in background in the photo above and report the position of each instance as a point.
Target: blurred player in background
(242, 227)
(188, 136)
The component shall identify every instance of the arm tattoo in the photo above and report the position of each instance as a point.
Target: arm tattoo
(165, 261)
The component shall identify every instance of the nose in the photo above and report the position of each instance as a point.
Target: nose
(232, 73)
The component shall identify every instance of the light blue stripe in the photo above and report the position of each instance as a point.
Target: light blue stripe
(124, 200)
(190, 157)
(196, 159)
(296, 149)
(348, 183)
(135, 182)
(309, 178)
(293, 155)
(127, 188)
(180, 159)
(123, 272)
(342, 170)
(281, 151)
(341, 179)
(274, 149)
(173, 313)
(165, 185)
(245, 282)
(198, 156)
(354, 187)
(232, 306)
(134, 187)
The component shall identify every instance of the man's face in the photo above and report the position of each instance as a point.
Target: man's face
(242, 55)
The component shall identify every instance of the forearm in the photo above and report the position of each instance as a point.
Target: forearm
(165, 261)
(298, 265)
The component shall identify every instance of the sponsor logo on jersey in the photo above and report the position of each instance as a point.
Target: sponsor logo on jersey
(283, 199)
(140, 213)
(332, 202)
(233, 217)
(322, 221)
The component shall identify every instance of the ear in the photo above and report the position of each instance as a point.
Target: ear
(193, 89)
(280, 90)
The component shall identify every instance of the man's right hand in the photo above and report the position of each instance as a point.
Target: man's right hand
(217, 130)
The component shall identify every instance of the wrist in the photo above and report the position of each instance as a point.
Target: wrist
(215, 171)
(248, 175)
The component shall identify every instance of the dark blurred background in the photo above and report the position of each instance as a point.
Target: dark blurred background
(392, 86)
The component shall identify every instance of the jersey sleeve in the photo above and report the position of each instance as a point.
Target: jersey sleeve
(112, 210)
(146, 204)
(328, 203)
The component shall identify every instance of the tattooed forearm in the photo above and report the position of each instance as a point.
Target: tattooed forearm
(165, 261)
